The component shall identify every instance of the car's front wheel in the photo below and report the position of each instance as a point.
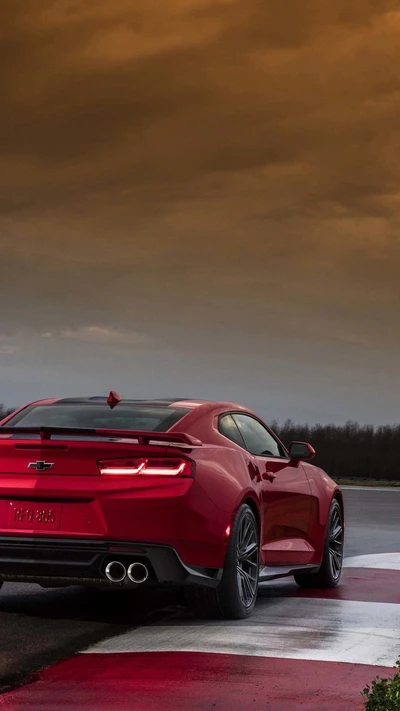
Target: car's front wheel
(330, 571)
(236, 594)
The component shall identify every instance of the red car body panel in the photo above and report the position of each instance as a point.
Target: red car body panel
(293, 509)
(192, 515)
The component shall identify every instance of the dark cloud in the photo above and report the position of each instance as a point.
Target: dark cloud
(222, 177)
(221, 102)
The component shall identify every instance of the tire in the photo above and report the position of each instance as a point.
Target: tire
(236, 594)
(330, 571)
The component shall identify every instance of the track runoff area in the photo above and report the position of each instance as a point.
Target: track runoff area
(301, 649)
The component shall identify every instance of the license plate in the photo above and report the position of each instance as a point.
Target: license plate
(34, 516)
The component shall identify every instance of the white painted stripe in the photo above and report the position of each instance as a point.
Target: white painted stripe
(370, 488)
(384, 561)
(296, 628)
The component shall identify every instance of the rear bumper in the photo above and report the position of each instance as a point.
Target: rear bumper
(55, 561)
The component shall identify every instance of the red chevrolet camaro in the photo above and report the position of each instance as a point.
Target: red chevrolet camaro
(124, 493)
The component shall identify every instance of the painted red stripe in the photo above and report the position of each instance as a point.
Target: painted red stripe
(192, 681)
(360, 584)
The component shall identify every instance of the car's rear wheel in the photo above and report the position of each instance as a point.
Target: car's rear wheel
(330, 571)
(236, 594)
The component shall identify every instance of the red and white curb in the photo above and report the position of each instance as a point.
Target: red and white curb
(301, 649)
(381, 561)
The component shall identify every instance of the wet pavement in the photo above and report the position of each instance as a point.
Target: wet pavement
(288, 626)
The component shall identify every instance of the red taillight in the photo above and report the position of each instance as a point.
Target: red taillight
(146, 467)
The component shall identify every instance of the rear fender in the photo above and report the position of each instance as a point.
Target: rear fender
(228, 476)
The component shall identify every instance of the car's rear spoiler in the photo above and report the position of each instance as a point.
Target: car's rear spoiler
(170, 438)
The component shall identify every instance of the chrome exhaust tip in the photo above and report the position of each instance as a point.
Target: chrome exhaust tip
(115, 571)
(138, 573)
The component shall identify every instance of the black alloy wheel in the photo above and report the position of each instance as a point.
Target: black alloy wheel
(236, 594)
(330, 571)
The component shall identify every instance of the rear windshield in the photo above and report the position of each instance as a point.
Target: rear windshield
(146, 418)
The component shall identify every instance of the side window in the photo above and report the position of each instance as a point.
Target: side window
(257, 438)
(228, 427)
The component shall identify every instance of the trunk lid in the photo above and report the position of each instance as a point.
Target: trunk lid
(76, 452)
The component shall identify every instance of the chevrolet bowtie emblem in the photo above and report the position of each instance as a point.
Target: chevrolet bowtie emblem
(40, 466)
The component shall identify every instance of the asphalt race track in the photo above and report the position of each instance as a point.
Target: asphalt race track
(301, 649)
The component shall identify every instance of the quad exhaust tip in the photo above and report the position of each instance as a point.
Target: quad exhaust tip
(138, 573)
(115, 571)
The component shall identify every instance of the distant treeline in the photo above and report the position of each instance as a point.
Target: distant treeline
(347, 451)
(4, 411)
(350, 450)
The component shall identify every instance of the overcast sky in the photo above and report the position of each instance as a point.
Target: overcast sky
(202, 199)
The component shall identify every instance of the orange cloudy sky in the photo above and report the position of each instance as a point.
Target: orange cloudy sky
(202, 199)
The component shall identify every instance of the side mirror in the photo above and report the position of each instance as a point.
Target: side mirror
(301, 451)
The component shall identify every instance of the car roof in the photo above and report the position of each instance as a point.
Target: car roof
(102, 399)
(187, 403)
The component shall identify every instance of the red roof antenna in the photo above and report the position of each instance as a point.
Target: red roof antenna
(113, 399)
